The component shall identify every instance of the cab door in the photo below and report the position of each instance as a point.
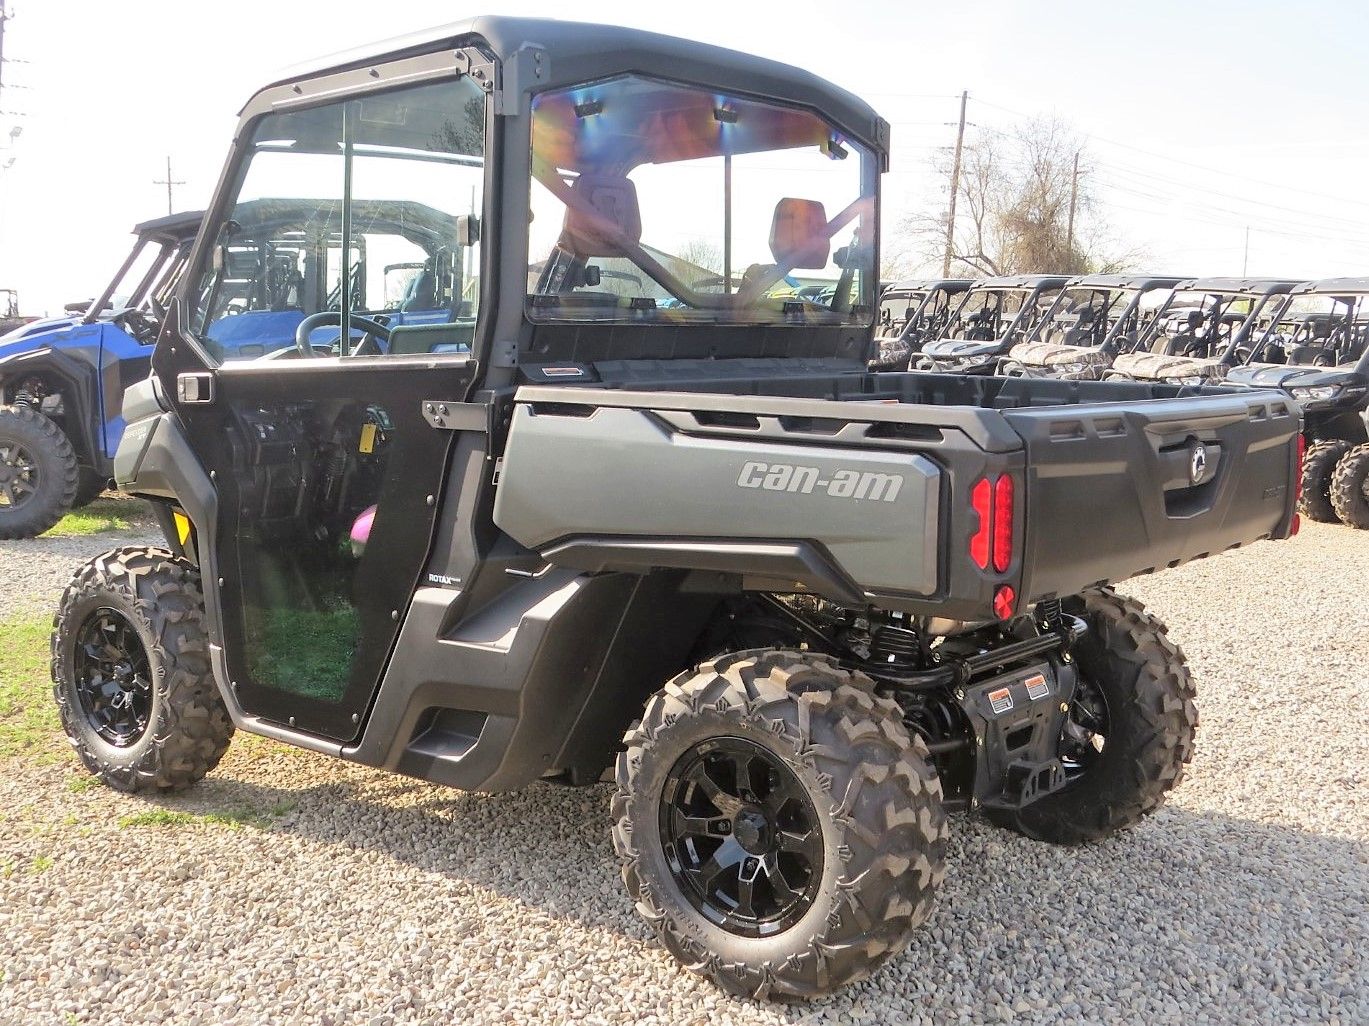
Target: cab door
(327, 469)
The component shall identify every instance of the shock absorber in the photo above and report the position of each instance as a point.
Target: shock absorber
(1049, 615)
(895, 646)
(30, 392)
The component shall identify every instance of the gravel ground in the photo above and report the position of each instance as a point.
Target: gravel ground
(37, 569)
(290, 888)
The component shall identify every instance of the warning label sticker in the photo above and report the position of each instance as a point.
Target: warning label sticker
(1000, 700)
(1037, 686)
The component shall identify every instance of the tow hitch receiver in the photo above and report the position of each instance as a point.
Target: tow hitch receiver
(1017, 719)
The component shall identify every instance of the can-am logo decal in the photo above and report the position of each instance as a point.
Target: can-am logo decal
(844, 484)
(1197, 462)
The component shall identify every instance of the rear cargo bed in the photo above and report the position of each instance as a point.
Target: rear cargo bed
(720, 475)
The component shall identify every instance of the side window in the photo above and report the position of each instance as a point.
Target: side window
(366, 209)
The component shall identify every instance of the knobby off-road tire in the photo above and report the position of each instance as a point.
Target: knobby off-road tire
(89, 488)
(40, 496)
(157, 597)
(1348, 487)
(876, 805)
(1318, 465)
(1147, 694)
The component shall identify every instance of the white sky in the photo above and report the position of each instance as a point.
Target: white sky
(1201, 119)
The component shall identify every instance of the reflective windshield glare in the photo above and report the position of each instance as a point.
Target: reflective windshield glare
(653, 201)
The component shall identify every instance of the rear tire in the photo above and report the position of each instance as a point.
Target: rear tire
(131, 674)
(1348, 487)
(846, 781)
(38, 473)
(1318, 465)
(1141, 678)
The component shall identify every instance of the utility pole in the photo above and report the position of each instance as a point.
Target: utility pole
(1245, 260)
(955, 187)
(1074, 200)
(3, 18)
(168, 181)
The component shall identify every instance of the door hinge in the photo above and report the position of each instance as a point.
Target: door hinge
(195, 387)
(498, 469)
(456, 416)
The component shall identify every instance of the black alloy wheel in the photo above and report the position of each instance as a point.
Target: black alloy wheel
(113, 677)
(741, 837)
(19, 474)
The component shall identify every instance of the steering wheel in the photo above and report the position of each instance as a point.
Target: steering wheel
(373, 329)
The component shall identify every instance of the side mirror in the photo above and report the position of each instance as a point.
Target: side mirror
(467, 230)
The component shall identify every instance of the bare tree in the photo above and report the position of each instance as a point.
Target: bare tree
(703, 253)
(1013, 210)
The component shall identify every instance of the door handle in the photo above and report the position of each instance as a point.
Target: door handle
(195, 388)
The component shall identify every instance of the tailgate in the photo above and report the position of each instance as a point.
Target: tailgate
(1119, 489)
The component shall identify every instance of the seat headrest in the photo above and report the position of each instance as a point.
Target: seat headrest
(798, 234)
(602, 213)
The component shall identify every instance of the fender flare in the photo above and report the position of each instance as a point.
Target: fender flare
(80, 384)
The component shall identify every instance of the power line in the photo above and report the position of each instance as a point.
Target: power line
(1185, 163)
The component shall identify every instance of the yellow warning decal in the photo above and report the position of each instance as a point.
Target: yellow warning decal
(182, 525)
(368, 438)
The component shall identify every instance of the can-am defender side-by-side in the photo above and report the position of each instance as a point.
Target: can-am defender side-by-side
(1323, 339)
(1206, 327)
(796, 611)
(992, 317)
(1095, 318)
(910, 313)
(62, 382)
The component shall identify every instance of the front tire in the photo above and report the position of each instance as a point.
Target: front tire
(1318, 465)
(38, 473)
(1130, 729)
(90, 487)
(1348, 487)
(131, 674)
(777, 825)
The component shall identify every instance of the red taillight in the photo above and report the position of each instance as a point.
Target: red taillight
(981, 499)
(1002, 523)
(1003, 600)
(992, 539)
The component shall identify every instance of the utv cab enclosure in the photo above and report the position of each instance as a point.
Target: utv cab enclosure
(641, 511)
(62, 382)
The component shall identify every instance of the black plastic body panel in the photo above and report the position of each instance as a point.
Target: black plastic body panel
(80, 384)
(1102, 472)
(1111, 495)
(553, 670)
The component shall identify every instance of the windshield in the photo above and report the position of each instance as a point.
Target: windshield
(895, 308)
(986, 315)
(1204, 324)
(661, 202)
(136, 274)
(368, 206)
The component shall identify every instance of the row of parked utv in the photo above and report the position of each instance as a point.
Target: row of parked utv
(1308, 339)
